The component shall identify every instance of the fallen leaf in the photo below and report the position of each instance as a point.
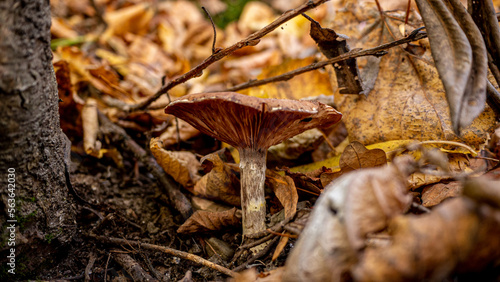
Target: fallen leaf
(205, 221)
(437, 193)
(182, 166)
(280, 247)
(463, 69)
(356, 156)
(221, 183)
(310, 84)
(358, 203)
(131, 19)
(410, 82)
(186, 131)
(284, 189)
(332, 45)
(458, 236)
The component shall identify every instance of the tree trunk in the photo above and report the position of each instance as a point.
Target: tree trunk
(35, 209)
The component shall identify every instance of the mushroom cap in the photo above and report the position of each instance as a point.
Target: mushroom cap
(250, 122)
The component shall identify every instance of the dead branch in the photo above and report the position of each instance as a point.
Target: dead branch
(132, 267)
(88, 269)
(119, 136)
(257, 256)
(252, 40)
(170, 251)
(376, 51)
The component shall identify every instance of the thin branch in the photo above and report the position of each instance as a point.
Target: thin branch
(252, 40)
(167, 250)
(213, 26)
(376, 51)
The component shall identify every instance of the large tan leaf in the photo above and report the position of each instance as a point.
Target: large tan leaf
(408, 100)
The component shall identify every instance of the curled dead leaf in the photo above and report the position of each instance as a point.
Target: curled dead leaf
(284, 189)
(182, 166)
(205, 221)
(221, 183)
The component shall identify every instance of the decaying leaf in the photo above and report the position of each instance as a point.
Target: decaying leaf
(332, 45)
(484, 15)
(205, 221)
(182, 166)
(221, 183)
(186, 131)
(284, 189)
(463, 68)
(458, 236)
(354, 205)
(357, 156)
(412, 83)
(437, 193)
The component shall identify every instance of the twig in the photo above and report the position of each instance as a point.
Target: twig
(257, 242)
(133, 268)
(282, 234)
(257, 256)
(88, 269)
(106, 268)
(213, 26)
(170, 251)
(376, 51)
(118, 135)
(251, 40)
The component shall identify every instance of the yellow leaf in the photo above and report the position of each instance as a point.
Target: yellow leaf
(310, 84)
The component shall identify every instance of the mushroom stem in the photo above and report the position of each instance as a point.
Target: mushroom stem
(253, 202)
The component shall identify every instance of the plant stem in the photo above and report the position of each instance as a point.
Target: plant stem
(253, 202)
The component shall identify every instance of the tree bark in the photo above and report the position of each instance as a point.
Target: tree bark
(34, 151)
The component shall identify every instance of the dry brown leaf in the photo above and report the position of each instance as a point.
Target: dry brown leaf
(407, 101)
(458, 236)
(463, 68)
(255, 15)
(356, 204)
(205, 221)
(221, 183)
(131, 19)
(437, 193)
(332, 45)
(284, 189)
(182, 166)
(61, 29)
(280, 247)
(293, 148)
(186, 131)
(355, 156)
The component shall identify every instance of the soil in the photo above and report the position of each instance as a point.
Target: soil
(127, 203)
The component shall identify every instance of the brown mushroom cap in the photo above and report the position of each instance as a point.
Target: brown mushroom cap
(250, 122)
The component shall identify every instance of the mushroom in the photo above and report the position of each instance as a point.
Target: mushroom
(251, 125)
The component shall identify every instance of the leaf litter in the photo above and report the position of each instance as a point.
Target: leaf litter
(373, 217)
